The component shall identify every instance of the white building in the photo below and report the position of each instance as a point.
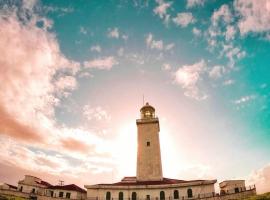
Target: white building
(33, 185)
(149, 182)
(71, 191)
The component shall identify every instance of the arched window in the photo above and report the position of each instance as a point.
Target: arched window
(189, 193)
(162, 195)
(175, 194)
(133, 196)
(121, 196)
(108, 196)
(236, 190)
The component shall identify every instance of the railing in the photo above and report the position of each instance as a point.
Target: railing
(199, 196)
(238, 190)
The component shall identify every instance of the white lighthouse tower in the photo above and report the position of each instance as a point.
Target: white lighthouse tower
(149, 167)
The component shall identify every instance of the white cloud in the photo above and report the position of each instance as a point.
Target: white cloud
(113, 33)
(197, 32)
(184, 19)
(230, 32)
(153, 44)
(96, 48)
(101, 63)
(188, 77)
(96, 113)
(228, 82)
(157, 44)
(83, 30)
(169, 46)
(193, 3)
(244, 99)
(223, 13)
(166, 67)
(120, 51)
(217, 71)
(254, 15)
(161, 9)
(261, 178)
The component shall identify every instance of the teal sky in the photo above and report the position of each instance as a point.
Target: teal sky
(203, 64)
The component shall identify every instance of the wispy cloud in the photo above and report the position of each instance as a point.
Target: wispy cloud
(245, 99)
(102, 63)
(96, 48)
(96, 113)
(113, 33)
(157, 44)
(188, 77)
(194, 3)
(184, 19)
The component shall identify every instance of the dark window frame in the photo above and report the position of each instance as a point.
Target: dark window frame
(176, 194)
(189, 193)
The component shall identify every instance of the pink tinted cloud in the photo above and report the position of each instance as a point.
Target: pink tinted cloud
(30, 59)
(75, 145)
(11, 127)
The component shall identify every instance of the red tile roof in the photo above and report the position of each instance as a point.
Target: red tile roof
(124, 182)
(11, 186)
(44, 183)
(71, 187)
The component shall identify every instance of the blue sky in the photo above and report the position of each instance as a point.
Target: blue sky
(75, 73)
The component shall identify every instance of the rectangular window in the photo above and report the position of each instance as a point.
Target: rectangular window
(148, 144)
(68, 195)
(61, 194)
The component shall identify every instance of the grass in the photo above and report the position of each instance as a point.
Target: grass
(265, 196)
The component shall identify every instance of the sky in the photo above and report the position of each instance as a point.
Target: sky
(74, 75)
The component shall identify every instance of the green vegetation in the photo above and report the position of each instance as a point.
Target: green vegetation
(10, 197)
(265, 196)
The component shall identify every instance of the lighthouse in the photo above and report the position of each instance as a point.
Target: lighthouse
(149, 166)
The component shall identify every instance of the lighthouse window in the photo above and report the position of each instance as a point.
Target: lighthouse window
(148, 144)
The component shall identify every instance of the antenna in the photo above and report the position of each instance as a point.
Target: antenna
(143, 100)
(61, 182)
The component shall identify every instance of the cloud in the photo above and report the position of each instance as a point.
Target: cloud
(188, 77)
(193, 3)
(96, 48)
(161, 9)
(83, 30)
(228, 82)
(102, 63)
(75, 145)
(261, 178)
(244, 99)
(32, 68)
(217, 71)
(157, 44)
(113, 33)
(153, 44)
(254, 16)
(169, 46)
(15, 129)
(184, 19)
(197, 32)
(166, 67)
(97, 113)
(222, 14)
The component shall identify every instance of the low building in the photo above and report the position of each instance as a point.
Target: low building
(6, 186)
(71, 191)
(33, 185)
(235, 189)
